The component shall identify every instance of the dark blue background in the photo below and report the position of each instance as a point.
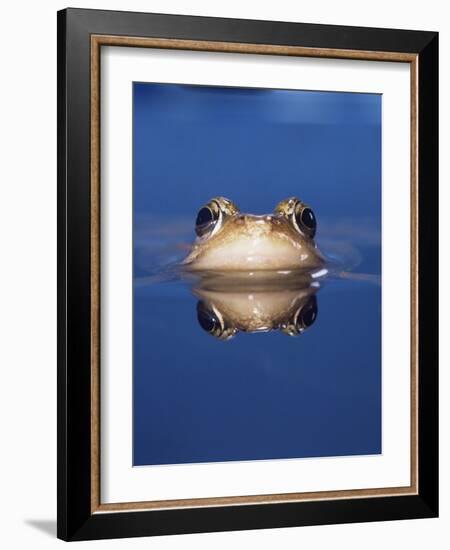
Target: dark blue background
(257, 396)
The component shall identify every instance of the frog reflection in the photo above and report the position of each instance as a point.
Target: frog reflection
(228, 240)
(223, 313)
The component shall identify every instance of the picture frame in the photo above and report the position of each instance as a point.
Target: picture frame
(81, 36)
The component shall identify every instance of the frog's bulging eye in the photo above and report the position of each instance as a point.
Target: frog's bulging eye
(212, 215)
(206, 221)
(305, 220)
(299, 215)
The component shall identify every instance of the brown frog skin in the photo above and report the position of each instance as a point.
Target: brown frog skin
(224, 313)
(231, 241)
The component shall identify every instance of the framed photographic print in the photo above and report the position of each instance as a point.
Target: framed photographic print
(247, 254)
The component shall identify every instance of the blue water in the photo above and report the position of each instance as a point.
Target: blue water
(267, 395)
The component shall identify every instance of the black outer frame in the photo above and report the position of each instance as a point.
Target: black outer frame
(75, 521)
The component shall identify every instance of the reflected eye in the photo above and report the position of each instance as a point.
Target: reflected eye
(306, 221)
(308, 314)
(205, 222)
(303, 318)
(212, 323)
(207, 319)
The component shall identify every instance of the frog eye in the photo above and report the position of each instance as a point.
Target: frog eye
(206, 221)
(211, 322)
(211, 216)
(299, 214)
(305, 220)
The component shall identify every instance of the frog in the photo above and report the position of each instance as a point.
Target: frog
(228, 240)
